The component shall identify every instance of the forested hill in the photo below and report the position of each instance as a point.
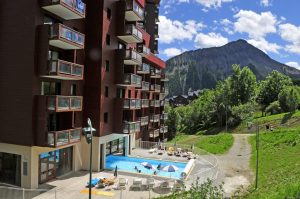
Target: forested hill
(202, 68)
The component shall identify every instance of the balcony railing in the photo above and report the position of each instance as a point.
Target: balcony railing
(156, 31)
(143, 50)
(164, 89)
(144, 120)
(60, 138)
(132, 104)
(155, 87)
(155, 103)
(132, 57)
(143, 69)
(164, 116)
(162, 96)
(60, 103)
(164, 129)
(155, 73)
(164, 77)
(131, 127)
(66, 38)
(131, 34)
(145, 86)
(162, 102)
(132, 79)
(154, 133)
(145, 103)
(65, 70)
(134, 12)
(154, 118)
(66, 9)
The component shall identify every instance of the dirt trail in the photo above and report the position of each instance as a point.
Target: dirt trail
(234, 168)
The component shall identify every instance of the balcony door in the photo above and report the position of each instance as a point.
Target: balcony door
(51, 88)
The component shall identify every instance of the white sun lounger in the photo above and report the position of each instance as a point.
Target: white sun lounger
(137, 184)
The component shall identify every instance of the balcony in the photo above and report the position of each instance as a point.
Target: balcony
(64, 70)
(65, 137)
(66, 9)
(132, 104)
(164, 116)
(143, 50)
(60, 103)
(155, 73)
(144, 120)
(155, 87)
(131, 34)
(143, 69)
(164, 78)
(154, 133)
(162, 96)
(65, 38)
(132, 57)
(156, 15)
(145, 103)
(134, 12)
(145, 86)
(154, 118)
(155, 103)
(132, 80)
(131, 127)
(163, 129)
(164, 89)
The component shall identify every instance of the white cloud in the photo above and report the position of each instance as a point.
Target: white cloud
(212, 3)
(171, 52)
(227, 26)
(265, 3)
(255, 25)
(169, 30)
(293, 64)
(264, 45)
(210, 40)
(291, 34)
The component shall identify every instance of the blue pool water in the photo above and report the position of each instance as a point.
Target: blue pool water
(125, 163)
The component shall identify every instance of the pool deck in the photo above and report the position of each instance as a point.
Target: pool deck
(70, 187)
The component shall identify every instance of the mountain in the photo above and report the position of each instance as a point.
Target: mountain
(202, 68)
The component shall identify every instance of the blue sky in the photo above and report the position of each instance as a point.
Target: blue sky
(271, 25)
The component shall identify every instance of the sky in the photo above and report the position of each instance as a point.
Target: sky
(273, 26)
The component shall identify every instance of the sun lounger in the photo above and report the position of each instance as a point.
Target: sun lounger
(160, 152)
(94, 182)
(108, 181)
(170, 153)
(152, 150)
(184, 154)
(122, 183)
(165, 185)
(178, 185)
(150, 183)
(137, 184)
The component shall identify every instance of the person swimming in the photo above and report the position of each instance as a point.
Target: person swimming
(159, 166)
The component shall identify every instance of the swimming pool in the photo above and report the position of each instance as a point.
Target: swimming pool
(125, 163)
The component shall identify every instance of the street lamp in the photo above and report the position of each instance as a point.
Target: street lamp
(88, 133)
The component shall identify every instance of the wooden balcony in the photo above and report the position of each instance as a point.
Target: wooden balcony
(64, 137)
(60, 103)
(66, 9)
(65, 38)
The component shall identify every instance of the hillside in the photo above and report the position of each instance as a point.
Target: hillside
(202, 68)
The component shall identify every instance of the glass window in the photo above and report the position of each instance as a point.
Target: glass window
(107, 66)
(106, 117)
(108, 13)
(106, 91)
(108, 39)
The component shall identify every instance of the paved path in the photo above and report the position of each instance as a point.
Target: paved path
(234, 168)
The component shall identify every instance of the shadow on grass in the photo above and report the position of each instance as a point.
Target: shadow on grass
(286, 117)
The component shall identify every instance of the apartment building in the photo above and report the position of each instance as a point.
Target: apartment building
(64, 61)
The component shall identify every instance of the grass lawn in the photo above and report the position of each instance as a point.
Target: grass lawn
(216, 144)
(279, 164)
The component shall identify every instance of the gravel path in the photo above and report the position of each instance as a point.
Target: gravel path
(234, 168)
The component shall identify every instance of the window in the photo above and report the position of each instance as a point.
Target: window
(107, 66)
(53, 55)
(106, 91)
(121, 46)
(136, 94)
(108, 39)
(106, 117)
(73, 90)
(120, 93)
(108, 13)
(50, 88)
(129, 93)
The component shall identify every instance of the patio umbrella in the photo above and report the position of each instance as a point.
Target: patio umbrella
(148, 165)
(116, 171)
(170, 168)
